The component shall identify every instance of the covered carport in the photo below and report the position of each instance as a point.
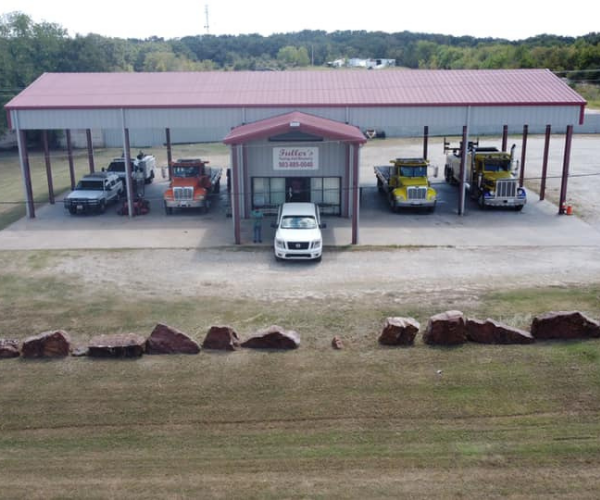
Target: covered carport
(402, 103)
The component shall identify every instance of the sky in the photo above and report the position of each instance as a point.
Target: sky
(510, 19)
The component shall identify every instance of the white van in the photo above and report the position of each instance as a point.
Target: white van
(298, 234)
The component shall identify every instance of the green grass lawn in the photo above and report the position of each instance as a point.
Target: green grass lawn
(364, 422)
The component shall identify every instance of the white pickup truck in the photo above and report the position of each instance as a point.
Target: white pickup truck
(143, 162)
(93, 193)
(298, 235)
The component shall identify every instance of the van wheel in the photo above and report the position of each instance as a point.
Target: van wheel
(319, 258)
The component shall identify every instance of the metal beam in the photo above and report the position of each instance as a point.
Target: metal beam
(26, 171)
(523, 155)
(565, 173)
(463, 170)
(127, 158)
(545, 162)
(48, 166)
(235, 192)
(169, 152)
(70, 158)
(353, 157)
(90, 149)
(505, 138)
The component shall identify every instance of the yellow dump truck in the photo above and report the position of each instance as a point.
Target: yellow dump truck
(490, 177)
(406, 184)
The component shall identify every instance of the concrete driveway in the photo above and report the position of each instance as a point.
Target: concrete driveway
(537, 225)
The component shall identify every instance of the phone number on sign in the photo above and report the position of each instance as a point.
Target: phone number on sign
(296, 164)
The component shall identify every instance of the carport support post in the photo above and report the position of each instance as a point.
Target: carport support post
(90, 149)
(235, 192)
(504, 138)
(48, 167)
(545, 162)
(70, 158)
(354, 155)
(523, 155)
(128, 177)
(169, 152)
(565, 173)
(463, 170)
(425, 141)
(25, 170)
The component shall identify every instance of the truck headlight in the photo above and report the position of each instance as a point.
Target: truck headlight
(399, 197)
(280, 244)
(521, 193)
(316, 244)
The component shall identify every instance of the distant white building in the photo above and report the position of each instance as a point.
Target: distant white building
(371, 63)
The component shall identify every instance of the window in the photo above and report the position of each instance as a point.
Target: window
(268, 192)
(326, 192)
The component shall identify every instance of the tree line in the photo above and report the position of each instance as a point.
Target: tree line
(28, 49)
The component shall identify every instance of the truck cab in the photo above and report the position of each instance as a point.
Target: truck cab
(143, 162)
(491, 179)
(406, 184)
(298, 232)
(192, 182)
(93, 193)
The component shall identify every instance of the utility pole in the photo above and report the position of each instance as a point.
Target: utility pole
(206, 26)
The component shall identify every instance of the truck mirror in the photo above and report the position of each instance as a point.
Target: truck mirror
(273, 225)
(436, 171)
(323, 225)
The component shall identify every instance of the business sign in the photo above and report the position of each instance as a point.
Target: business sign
(296, 158)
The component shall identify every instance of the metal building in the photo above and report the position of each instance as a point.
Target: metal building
(208, 105)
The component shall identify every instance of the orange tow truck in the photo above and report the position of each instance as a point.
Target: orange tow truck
(192, 184)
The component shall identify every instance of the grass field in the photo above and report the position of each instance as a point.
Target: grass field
(365, 422)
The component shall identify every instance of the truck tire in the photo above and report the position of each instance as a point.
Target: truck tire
(102, 207)
(380, 186)
(168, 210)
(72, 210)
(217, 188)
(481, 202)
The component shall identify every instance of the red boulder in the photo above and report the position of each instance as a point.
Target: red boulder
(447, 328)
(168, 340)
(222, 338)
(53, 344)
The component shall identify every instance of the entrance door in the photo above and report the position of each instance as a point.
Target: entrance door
(297, 189)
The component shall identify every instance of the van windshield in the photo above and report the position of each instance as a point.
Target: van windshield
(298, 222)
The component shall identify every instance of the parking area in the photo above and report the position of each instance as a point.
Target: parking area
(537, 225)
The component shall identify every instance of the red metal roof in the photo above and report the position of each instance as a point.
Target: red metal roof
(297, 88)
(295, 121)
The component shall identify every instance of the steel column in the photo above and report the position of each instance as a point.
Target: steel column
(235, 193)
(354, 158)
(169, 152)
(70, 158)
(48, 167)
(90, 149)
(565, 174)
(463, 170)
(26, 171)
(523, 155)
(545, 162)
(504, 138)
(128, 176)
(425, 141)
